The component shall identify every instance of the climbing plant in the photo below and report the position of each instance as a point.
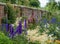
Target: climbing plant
(11, 13)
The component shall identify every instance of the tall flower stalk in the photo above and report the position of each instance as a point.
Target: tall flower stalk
(7, 27)
(53, 20)
(25, 30)
(19, 28)
(11, 30)
(45, 21)
(25, 26)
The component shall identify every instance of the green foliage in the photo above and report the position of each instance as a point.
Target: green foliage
(13, 1)
(52, 6)
(20, 39)
(52, 29)
(41, 29)
(58, 17)
(5, 1)
(2, 0)
(4, 39)
(35, 3)
(4, 20)
(32, 26)
(11, 13)
(23, 2)
(59, 5)
(34, 42)
(23, 17)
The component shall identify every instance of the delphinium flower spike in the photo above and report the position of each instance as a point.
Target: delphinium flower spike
(19, 28)
(7, 27)
(53, 20)
(25, 26)
(45, 21)
(11, 31)
(25, 23)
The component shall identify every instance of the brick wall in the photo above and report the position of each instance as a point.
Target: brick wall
(1, 12)
(23, 11)
(27, 12)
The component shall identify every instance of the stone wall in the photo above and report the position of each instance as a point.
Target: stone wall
(24, 11)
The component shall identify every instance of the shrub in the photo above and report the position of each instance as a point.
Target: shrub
(20, 39)
(4, 39)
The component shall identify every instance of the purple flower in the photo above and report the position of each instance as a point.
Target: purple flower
(11, 30)
(53, 20)
(7, 27)
(25, 27)
(44, 21)
(19, 28)
(25, 24)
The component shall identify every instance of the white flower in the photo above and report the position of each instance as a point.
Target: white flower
(47, 25)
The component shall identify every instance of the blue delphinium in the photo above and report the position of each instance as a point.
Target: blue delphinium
(53, 20)
(25, 26)
(45, 21)
(7, 27)
(11, 31)
(19, 28)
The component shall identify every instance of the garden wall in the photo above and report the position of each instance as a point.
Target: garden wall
(24, 11)
(1, 12)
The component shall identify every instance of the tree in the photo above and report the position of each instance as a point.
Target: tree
(2, 0)
(34, 3)
(52, 6)
(23, 2)
(59, 5)
(13, 1)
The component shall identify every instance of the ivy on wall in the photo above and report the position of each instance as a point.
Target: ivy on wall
(11, 13)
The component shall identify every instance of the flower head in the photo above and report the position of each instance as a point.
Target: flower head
(53, 20)
(11, 30)
(25, 24)
(19, 28)
(44, 21)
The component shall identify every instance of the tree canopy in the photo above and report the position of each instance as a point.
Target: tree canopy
(34, 3)
(54, 7)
